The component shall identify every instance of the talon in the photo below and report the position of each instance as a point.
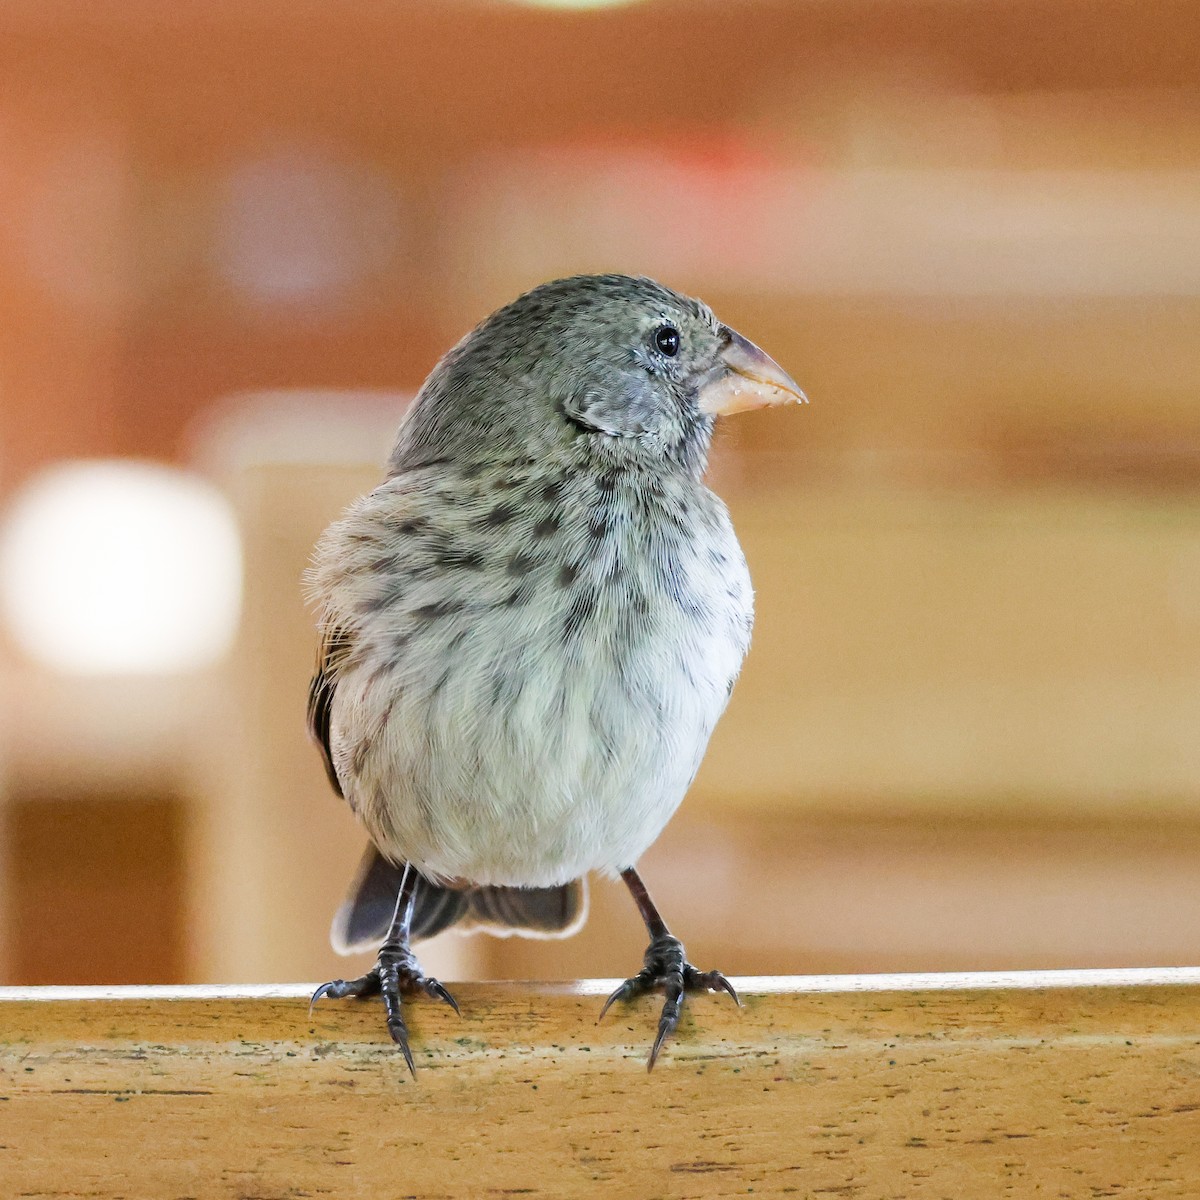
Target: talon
(723, 984)
(665, 1030)
(438, 992)
(364, 985)
(396, 972)
(667, 970)
(399, 1033)
(624, 992)
(713, 981)
(323, 990)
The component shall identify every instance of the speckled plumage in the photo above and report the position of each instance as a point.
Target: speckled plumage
(533, 624)
(526, 700)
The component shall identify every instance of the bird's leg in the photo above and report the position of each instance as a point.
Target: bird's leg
(395, 971)
(666, 968)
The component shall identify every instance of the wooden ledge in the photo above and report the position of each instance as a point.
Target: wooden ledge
(1065, 1083)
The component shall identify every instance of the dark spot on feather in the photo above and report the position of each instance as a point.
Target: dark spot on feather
(518, 596)
(552, 491)
(387, 563)
(599, 524)
(440, 608)
(500, 515)
(674, 514)
(385, 599)
(607, 482)
(411, 525)
(546, 527)
(441, 681)
(520, 564)
(567, 575)
(581, 610)
(684, 666)
(358, 759)
(675, 585)
(452, 556)
(385, 668)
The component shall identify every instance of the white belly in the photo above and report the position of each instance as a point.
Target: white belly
(501, 749)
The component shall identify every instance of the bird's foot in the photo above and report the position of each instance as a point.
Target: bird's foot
(667, 970)
(395, 973)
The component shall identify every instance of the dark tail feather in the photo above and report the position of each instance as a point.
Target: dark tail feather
(363, 919)
(530, 912)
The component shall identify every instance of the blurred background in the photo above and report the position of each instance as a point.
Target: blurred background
(234, 238)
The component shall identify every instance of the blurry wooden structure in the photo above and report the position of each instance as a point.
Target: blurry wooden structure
(1064, 1083)
(965, 735)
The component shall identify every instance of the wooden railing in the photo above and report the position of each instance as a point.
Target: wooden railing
(1054, 1084)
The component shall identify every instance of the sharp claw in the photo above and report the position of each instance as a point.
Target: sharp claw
(396, 972)
(438, 991)
(667, 970)
(609, 1003)
(400, 1037)
(725, 986)
(323, 990)
(665, 1029)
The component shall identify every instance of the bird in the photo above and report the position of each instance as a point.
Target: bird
(530, 628)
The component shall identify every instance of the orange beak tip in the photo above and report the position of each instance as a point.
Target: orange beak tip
(751, 379)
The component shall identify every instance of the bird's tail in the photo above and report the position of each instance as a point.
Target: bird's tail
(363, 919)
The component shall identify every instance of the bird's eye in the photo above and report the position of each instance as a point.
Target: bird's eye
(666, 340)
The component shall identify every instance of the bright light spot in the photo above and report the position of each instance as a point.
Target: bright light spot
(120, 567)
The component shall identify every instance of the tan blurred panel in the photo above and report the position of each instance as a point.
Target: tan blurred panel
(274, 847)
(1037, 649)
(94, 888)
(1096, 391)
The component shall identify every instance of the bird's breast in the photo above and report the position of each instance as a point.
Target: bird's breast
(527, 707)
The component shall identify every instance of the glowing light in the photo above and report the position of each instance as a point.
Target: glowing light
(120, 567)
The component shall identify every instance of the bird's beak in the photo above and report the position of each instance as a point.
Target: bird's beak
(745, 378)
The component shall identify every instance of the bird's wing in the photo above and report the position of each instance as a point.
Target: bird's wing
(334, 646)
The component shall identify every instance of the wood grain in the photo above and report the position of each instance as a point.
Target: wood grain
(1067, 1084)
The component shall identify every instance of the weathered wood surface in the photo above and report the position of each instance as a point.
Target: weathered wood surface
(1059, 1084)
